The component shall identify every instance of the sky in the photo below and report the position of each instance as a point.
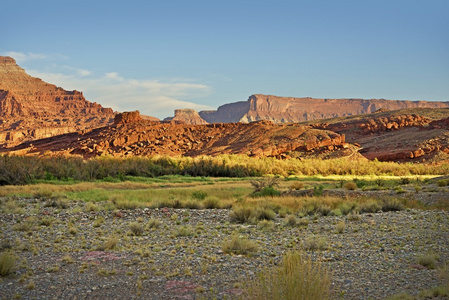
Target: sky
(156, 56)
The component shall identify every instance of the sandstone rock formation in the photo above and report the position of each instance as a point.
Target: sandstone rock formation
(396, 135)
(130, 135)
(286, 109)
(188, 116)
(31, 108)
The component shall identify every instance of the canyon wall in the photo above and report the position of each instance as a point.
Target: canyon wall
(31, 108)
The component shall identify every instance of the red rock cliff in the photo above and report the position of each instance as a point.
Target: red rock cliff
(31, 108)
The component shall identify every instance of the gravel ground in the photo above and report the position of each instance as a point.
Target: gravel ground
(60, 252)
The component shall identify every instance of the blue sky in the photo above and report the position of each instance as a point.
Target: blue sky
(156, 56)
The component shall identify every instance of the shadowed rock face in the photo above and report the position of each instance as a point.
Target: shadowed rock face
(31, 108)
(286, 110)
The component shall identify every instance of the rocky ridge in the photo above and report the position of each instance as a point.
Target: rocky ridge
(32, 109)
(131, 135)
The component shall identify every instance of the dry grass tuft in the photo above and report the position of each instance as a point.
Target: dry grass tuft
(297, 278)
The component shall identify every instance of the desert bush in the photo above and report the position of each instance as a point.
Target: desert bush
(314, 243)
(350, 186)
(428, 260)
(247, 214)
(296, 185)
(184, 231)
(239, 245)
(370, 206)
(211, 203)
(10, 207)
(241, 214)
(291, 220)
(8, 263)
(443, 182)
(391, 204)
(153, 223)
(304, 222)
(110, 243)
(270, 182)
(264, 213)
(340, 227)
(192, 204)
(405, 180)
(46, 221)
(298, 277)
(136, 228)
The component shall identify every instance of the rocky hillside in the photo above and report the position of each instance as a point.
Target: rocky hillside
(285, 109)
(31, 108)
(131, 135)
(403, 135)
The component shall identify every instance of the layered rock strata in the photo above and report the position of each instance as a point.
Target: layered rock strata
(287, 109)
(31, 108)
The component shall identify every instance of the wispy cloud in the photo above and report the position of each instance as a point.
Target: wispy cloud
(149, 96)
(22, 57)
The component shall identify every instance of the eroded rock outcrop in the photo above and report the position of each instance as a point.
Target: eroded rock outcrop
(31, 108)
(188, 116)
(287, 109)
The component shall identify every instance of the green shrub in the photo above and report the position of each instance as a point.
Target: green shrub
(360, 183)
(442, 182)
(318, 191)
(405, 180)
(199, 195)
(298, 277)
(267, 191)
(239, 245)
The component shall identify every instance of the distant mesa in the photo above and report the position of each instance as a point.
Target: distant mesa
(293, 110)
(188, 116)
